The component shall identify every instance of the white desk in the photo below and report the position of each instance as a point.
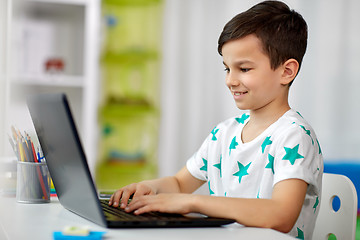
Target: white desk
(20, 221)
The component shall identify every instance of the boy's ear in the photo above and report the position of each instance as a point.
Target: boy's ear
(290, 69)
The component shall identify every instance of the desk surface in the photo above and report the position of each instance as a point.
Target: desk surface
(39, 221)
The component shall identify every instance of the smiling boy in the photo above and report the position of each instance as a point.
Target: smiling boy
(263, 168)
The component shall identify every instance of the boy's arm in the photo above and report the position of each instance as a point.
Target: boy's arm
(182, 182)
(280, 212)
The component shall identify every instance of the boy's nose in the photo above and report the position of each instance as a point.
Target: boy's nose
(231, 80)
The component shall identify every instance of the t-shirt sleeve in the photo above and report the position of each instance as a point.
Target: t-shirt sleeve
(197, 165)
(298, 156)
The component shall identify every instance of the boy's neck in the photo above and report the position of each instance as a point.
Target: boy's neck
(263, 117)
(260, 120)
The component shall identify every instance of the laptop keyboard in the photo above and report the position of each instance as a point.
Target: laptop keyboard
(113, 213)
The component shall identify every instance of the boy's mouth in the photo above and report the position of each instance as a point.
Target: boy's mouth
(239, 93)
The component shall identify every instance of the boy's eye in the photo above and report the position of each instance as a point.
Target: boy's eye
(244, 70)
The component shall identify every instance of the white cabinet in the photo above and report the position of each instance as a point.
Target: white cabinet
(51, 46)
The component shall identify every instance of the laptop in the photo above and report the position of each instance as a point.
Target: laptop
(67, 164)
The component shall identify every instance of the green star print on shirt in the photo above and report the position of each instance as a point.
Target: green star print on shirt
(266, 142)
(214, 132)
(204, 168)
(319, 146)
(308, 132)
(210, 191)
(233, 144)
(218, 165)
(300, 234)
(243, 118)
(292, 154)
(242, 171)
(270, 163)
(316, 204)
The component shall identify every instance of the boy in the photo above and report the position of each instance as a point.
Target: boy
(263, 169)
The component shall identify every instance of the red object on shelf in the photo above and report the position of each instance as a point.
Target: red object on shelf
(55, 65)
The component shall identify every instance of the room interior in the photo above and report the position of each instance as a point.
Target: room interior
(148, 72)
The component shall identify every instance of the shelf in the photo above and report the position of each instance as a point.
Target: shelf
(50, 80)
(70, 2)
(123, 110)
(132, 2)
(137, 55)
(50, 46)
(47, 30)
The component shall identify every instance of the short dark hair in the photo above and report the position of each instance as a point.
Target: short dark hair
(283, 32)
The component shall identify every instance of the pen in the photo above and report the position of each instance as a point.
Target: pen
(38, 155)
(14, 147)
(33, 152)
(29, 147)
(15, 136)
(21, 150)
(26, 152)
(41, 155)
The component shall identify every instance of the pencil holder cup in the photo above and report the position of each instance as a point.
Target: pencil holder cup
(33, 183)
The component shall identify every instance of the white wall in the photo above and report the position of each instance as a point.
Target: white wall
(195, 98)
(3, 66)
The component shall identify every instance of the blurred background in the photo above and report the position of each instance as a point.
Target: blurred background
(146, 84)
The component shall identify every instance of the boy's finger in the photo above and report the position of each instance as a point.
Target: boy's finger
(142, 191)
(115, 199)
(139, 193)
(111, 199)
(141, 205)
(125, 197)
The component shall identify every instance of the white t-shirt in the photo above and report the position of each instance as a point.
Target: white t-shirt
(286, 149)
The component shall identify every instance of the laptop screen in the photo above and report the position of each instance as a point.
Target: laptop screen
(60, 142)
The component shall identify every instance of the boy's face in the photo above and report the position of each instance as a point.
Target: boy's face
(252, 82)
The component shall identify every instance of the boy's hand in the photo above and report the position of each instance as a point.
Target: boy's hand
(122, 196)
(182, 182)
(164, 202)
